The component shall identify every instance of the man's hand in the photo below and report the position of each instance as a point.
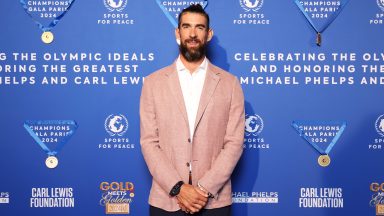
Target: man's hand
(183, 208)
(191, 199)
(202, 192)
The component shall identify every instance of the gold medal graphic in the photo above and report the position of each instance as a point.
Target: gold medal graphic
(51, 162)
(324, 160)
(47, 37)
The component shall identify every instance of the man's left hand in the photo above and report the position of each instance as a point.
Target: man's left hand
(191, 199)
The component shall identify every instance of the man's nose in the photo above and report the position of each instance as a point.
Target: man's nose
(192, 33)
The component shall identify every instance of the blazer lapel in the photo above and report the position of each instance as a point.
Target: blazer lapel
(211, 81)
(175, 88)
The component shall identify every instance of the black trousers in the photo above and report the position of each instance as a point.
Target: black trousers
(224, 211)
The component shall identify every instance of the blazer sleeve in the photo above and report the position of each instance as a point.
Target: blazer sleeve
(223, 166)
(158, 164)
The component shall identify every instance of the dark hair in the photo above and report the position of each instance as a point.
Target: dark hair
(194, 8)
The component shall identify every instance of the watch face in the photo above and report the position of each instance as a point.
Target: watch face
(176, 189)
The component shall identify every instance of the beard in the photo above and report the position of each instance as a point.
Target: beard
(192, 54)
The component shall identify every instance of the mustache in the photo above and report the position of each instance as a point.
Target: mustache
(196, 40)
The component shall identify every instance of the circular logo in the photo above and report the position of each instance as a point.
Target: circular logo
(380, 3)
(253, 5)
(253, 125)
(116, 125)
(379, 125)
(117, 5)
(51, 162)
(324, 160)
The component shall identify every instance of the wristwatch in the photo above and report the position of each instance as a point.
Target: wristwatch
(176, 189)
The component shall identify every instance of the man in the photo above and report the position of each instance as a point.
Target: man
(192, 126)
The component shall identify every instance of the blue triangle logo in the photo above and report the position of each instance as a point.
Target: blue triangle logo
(321, 135)
(320, 16)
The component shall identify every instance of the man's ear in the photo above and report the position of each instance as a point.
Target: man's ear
(210, 34)
(177, 35)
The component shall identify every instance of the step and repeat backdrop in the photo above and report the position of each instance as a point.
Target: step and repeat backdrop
(71, 74)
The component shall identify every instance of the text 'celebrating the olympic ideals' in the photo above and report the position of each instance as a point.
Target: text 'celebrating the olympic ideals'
(74, 68)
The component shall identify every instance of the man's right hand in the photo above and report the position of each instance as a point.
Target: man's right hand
(191, 199)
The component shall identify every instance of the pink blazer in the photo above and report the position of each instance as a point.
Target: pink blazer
(165, 140)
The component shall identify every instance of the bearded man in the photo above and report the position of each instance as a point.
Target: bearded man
(191, 126)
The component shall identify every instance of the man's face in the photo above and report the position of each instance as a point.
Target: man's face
(194, 36)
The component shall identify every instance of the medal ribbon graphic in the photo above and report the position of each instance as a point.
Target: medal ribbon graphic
(320, 30)
(342, 124)
(63, 140)
(53, 23)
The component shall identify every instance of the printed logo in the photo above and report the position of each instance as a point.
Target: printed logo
(46, 14)
(4, 197)
(380, 3)
(379, 209)
(255, 197)
(251, 15)
(379, 125)
(320, 14)
(254, 125)
(321, 10)
(117, 197)
(321, 197)
(378, 18)
(115, 15)
(321, 135)
(253, 5)
(377, 200)
(51, 136)
(117, 5)
(116, 125)
(52, 198)
(46, 10)
(377, 143)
